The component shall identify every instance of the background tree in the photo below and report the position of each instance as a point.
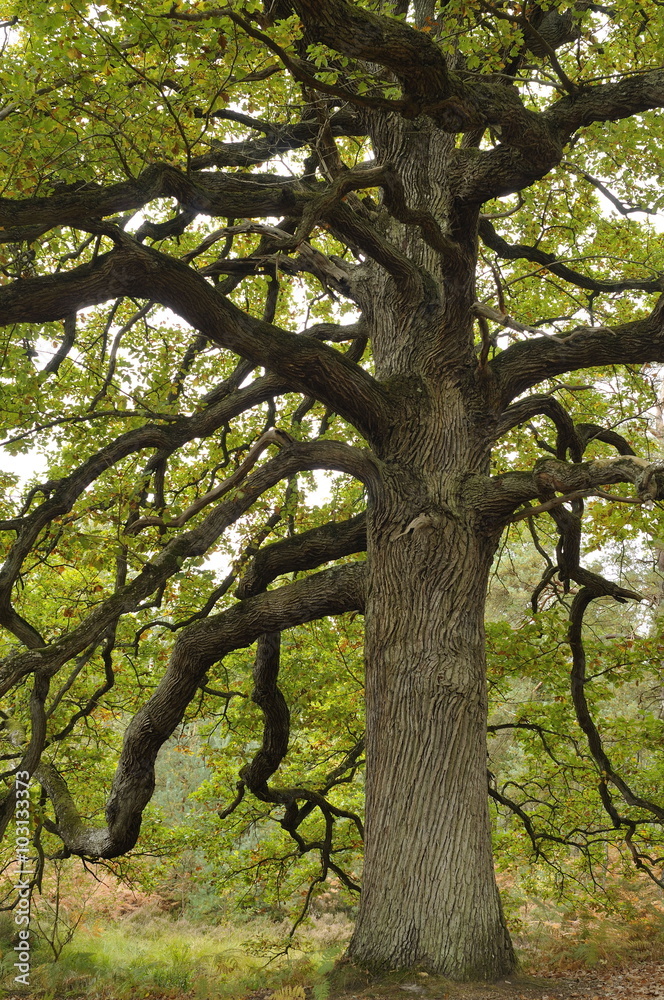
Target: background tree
(428, 185)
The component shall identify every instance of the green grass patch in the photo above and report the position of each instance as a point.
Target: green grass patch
(145, 958)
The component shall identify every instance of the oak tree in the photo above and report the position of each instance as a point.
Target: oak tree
(369, 236)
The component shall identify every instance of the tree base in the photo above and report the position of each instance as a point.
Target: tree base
(349, 979)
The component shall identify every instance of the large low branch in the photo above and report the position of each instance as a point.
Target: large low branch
(546, 405)
(497, 497)
(523, 365)
(276, 725)
(329, 455)
(206, 192)
(570, 436)
(533, 143)
(330, 592)
(606, 772)
(506, 169)
(132, 269)
(32, 753)
(606, 102)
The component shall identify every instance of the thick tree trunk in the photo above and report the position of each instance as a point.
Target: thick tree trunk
(429, 894)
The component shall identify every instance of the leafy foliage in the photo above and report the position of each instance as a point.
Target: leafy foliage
(218, 222)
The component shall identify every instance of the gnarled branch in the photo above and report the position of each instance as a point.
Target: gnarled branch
(198, 647)
(498, 497)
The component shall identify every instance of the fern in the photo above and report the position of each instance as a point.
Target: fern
(321, 991)
(290, 993)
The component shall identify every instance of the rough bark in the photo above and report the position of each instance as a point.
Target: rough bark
(429, 895)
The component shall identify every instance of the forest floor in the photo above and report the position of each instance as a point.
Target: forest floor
(118, 944)
(641, 981)
(644, 981)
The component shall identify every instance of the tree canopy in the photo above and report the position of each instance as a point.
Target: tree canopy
(409, 246)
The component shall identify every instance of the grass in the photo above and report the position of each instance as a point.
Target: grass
(145, 957)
